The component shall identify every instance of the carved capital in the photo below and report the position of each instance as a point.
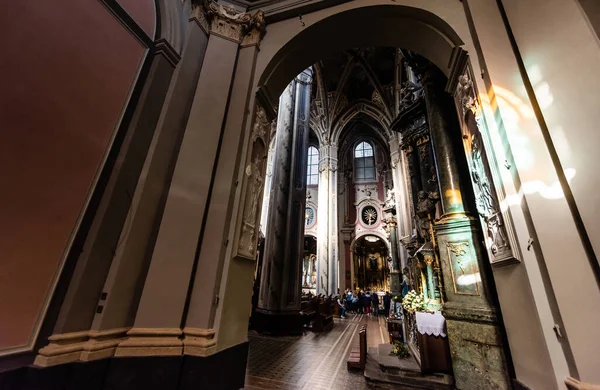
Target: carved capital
(466, 94)
(243, 27)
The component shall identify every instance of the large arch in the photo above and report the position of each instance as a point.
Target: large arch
(411, 28)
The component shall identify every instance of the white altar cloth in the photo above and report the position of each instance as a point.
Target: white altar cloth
(431, 324)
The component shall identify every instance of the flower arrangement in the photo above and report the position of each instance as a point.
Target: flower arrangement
(414, 301)
(400, 350)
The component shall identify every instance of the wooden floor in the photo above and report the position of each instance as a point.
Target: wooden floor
(314, 360)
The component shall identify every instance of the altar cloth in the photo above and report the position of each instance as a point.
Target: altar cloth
(432, 324)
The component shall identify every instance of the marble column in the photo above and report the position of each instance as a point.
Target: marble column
(474, 332)
(279, 299)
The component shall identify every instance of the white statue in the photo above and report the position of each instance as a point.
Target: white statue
(390, 201)
(256, 182)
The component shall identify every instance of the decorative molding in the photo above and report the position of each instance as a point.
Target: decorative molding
(80, 346)
(198, 341)
(164, 48)
(499, 235)
(151, 342)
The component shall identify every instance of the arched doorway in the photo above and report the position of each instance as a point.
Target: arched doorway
(370, 263)
(422, 110)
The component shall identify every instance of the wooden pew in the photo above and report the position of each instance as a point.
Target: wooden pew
(307, 311)
(358, 356)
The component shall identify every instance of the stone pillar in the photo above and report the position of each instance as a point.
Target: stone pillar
(279, 300)
(99, 306)
(328, 232)
(476, 343)
(267, 191)
(332, 223)
(162, 310)
(323, 225)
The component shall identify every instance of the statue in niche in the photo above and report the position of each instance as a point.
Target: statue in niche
(466, 93)
(390, 200)
(410, 92)
(313, 276)
(425, 211)
(305, 270)
(256, 183)
(496, 232)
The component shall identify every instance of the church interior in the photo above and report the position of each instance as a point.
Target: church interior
(325, 194)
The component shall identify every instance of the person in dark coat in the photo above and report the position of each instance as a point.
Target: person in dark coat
(375, 303)
(387, 300)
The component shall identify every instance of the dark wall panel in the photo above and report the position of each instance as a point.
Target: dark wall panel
(66, 72)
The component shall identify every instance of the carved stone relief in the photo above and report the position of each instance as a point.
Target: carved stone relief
(255, 181)
(228, 23)
(498, 242)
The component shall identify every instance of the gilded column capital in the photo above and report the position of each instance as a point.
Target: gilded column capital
(242, 27)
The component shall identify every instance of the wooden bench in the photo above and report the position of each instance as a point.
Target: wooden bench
(307, 311)
(358, 356)
(323, 319)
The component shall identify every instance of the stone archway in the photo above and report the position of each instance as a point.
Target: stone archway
(422, 32)
(415, 29)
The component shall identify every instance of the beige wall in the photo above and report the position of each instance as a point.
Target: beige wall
(556, 245)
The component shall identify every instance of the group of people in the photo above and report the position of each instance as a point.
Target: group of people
(363, 302)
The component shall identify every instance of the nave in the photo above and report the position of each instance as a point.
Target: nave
(313, 360)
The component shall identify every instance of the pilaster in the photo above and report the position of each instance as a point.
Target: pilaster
(174, 264)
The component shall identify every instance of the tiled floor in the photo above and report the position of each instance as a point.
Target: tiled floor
(312, 361)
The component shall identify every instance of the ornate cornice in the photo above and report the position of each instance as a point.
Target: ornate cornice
(241, 27)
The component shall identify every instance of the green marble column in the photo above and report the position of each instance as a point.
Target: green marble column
(475, 335)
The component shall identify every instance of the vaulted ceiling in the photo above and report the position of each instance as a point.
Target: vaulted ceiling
(355, 86)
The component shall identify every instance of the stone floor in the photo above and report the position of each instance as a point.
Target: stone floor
(314, 360)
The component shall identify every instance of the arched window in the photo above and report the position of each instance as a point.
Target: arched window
(364, 162)
(312, 171)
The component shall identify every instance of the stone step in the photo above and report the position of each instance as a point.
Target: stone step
(381, 367)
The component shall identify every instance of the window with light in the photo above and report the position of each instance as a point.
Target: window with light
(364, 162)
(312, 173)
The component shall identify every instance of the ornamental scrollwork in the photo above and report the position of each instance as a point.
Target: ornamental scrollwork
(247, 28)
(459, 249)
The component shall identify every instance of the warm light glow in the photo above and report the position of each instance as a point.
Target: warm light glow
(552, 191)
(453, 196)
(372, 238)
(469, 279)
